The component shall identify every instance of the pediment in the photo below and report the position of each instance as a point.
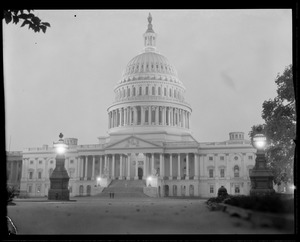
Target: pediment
(132, 142)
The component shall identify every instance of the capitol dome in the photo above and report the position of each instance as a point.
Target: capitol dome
(149, 98)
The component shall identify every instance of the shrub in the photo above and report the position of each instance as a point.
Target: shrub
(11, 193)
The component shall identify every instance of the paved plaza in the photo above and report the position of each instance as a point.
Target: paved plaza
(94, 215)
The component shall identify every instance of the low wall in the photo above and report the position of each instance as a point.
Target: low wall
(150, 191)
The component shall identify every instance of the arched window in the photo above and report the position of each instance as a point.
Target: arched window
(124, 93)
(140, 91)
(153, 90)
(174, 93)
(170, 93)
(146, 90)
(165, 91)
(133, 91)
(128, 92)
(159, 92)
(236, 171)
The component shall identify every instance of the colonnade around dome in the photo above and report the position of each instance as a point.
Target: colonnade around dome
(149, 115)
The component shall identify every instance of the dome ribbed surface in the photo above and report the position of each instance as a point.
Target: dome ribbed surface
(149, 62)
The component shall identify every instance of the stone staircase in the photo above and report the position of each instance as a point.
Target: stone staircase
(124, 188)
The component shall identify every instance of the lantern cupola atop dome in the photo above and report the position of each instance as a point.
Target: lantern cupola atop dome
(150, 37)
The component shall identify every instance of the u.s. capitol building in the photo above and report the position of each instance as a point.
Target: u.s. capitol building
(149, 135)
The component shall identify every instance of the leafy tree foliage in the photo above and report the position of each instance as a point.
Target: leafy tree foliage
(29, 19)
(280, 128)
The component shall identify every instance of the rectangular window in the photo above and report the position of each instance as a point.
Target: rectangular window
(30, 189)
(71, 161)
(31, 162)
(165, 91)
(38, 189)
(250, 157)
(211, 189)
(30, 175)
(40, 175)
(146, 90)
(210, 158)
(221, 157)
(222, 172)
(40, 162)
(211, 173)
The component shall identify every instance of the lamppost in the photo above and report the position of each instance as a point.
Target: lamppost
(261, 177)
(59, 178)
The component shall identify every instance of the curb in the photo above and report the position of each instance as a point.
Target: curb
(280, 221)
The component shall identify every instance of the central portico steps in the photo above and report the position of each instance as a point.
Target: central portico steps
(124, 188)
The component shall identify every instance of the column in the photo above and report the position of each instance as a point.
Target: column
(128, 166)
(178, 167)
(187, 177)
(105, 161)
(101, 161)
(227, 167)
(129, 115)
(125, 116)
(183, 118)
(152, 163)
(135, 116)
(150, 115)
(243, 165)
(171, 167)
(196, 163)
(113, 167)
(121, 167)
(161, 173)
(142, 115)
(216, 169)
(86, 167)
(201, 164)
(93, 168)
(156, 115)
(136, 167)
(145, 167)
(81, 170)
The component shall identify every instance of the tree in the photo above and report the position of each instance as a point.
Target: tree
(280, 128)
(28, 18)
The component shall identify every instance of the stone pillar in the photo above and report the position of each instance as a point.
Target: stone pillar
(145, 166)
(201, 164)
(93, 168)
(81, 171)
(121, 167)
(196, 165)
(156, 115)
(227, 168)
(134, 115)
(136, 167)
(86, 167)
(183, 119)
(105, 161)
(171, 167)
(100, 165)
(129, 115)
(142, 115)
(161, 173)
(150, 115)
(128, 166)
(243, 166)
(187, 177)
(152, 163)
(178, 167)
(113, 167)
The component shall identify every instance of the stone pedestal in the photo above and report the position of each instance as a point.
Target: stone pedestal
(261, 177)
(59, 181)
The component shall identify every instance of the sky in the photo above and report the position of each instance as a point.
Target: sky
(63, 80)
